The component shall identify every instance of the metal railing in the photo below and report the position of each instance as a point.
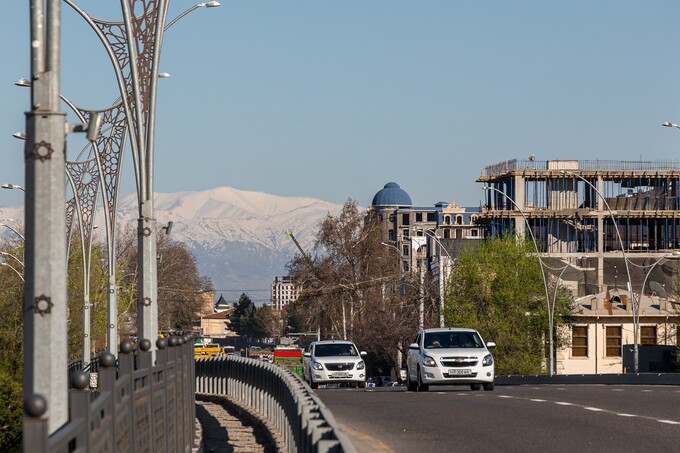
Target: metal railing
(136, 406)
(507, 166)
(277, 395)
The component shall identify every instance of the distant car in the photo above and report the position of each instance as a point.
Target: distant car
(334, 361)
(449, 356)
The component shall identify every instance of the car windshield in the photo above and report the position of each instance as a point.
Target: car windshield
(452, 340)
(331, 350)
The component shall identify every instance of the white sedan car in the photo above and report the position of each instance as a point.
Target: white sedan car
(334, 361)
(449, 356)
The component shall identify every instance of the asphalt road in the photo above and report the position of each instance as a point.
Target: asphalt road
(545, 418)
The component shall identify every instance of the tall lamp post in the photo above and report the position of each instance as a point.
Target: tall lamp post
(551, 307)
(636, 303)
(442, 278)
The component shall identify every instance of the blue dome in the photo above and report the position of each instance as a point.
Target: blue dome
(391, 195)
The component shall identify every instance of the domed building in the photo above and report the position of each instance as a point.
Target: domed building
(391, 196)
(422, 234)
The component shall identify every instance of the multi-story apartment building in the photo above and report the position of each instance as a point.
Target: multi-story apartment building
(612, 230)
(283, 292)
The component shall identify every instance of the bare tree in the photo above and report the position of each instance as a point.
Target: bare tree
(352, 287)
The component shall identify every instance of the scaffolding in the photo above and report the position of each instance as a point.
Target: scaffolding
(575, 207)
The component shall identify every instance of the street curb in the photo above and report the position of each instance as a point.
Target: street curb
(600, 379)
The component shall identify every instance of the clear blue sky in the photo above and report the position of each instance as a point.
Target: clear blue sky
(332, 99)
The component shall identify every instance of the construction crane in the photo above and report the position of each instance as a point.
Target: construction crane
(305, 256)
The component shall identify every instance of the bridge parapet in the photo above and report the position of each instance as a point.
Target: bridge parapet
(136, 406)
(301, 422)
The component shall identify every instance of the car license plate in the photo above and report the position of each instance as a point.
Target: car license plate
(340, 375)
(460, 372)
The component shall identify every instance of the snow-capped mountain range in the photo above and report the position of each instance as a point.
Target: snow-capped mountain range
(238, 237)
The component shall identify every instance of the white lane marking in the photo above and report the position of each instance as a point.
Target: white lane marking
(617, 390)
(595, 409)
(647, 391)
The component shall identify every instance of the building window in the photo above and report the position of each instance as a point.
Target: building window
(579, 341)
(419, 216)
(431, 217)
(405, 219)
(447, 220)
(613, 337)
(447, 234)
(648, 335)
(459, 220)
(475, 233)
(404, 250)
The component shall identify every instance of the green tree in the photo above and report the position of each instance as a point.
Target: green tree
(497, 288)
(243, 317)
(11, 345)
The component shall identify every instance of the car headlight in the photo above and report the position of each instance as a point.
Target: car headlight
(361, 365)
(488, 360)
(429, 361)
(317, 366)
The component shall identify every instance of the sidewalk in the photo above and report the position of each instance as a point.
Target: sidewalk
(222, 430)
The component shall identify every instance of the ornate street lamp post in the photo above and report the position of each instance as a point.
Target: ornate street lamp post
(133, 46)
(635, 301)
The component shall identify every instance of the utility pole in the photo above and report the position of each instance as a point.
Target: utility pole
(45, 335)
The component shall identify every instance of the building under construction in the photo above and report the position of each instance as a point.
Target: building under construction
(597, 216)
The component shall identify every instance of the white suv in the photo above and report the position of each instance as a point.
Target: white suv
(334, 361)
(449, 356)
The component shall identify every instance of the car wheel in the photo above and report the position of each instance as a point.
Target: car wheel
(488, 387)
(410, 385)
(475, 386)
(362, 385)
(422, 387)
(313, 384)
(353, 385)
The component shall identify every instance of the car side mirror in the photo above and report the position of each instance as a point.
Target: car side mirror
(414, 346)
(363, 353)
(490, 345)
(307, 354)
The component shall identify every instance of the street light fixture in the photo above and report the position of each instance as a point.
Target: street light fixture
(8, 185)
(636, 304)
(669, 124)
(551, 307)
(2, 263)
(19, 135)
(23, 238)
